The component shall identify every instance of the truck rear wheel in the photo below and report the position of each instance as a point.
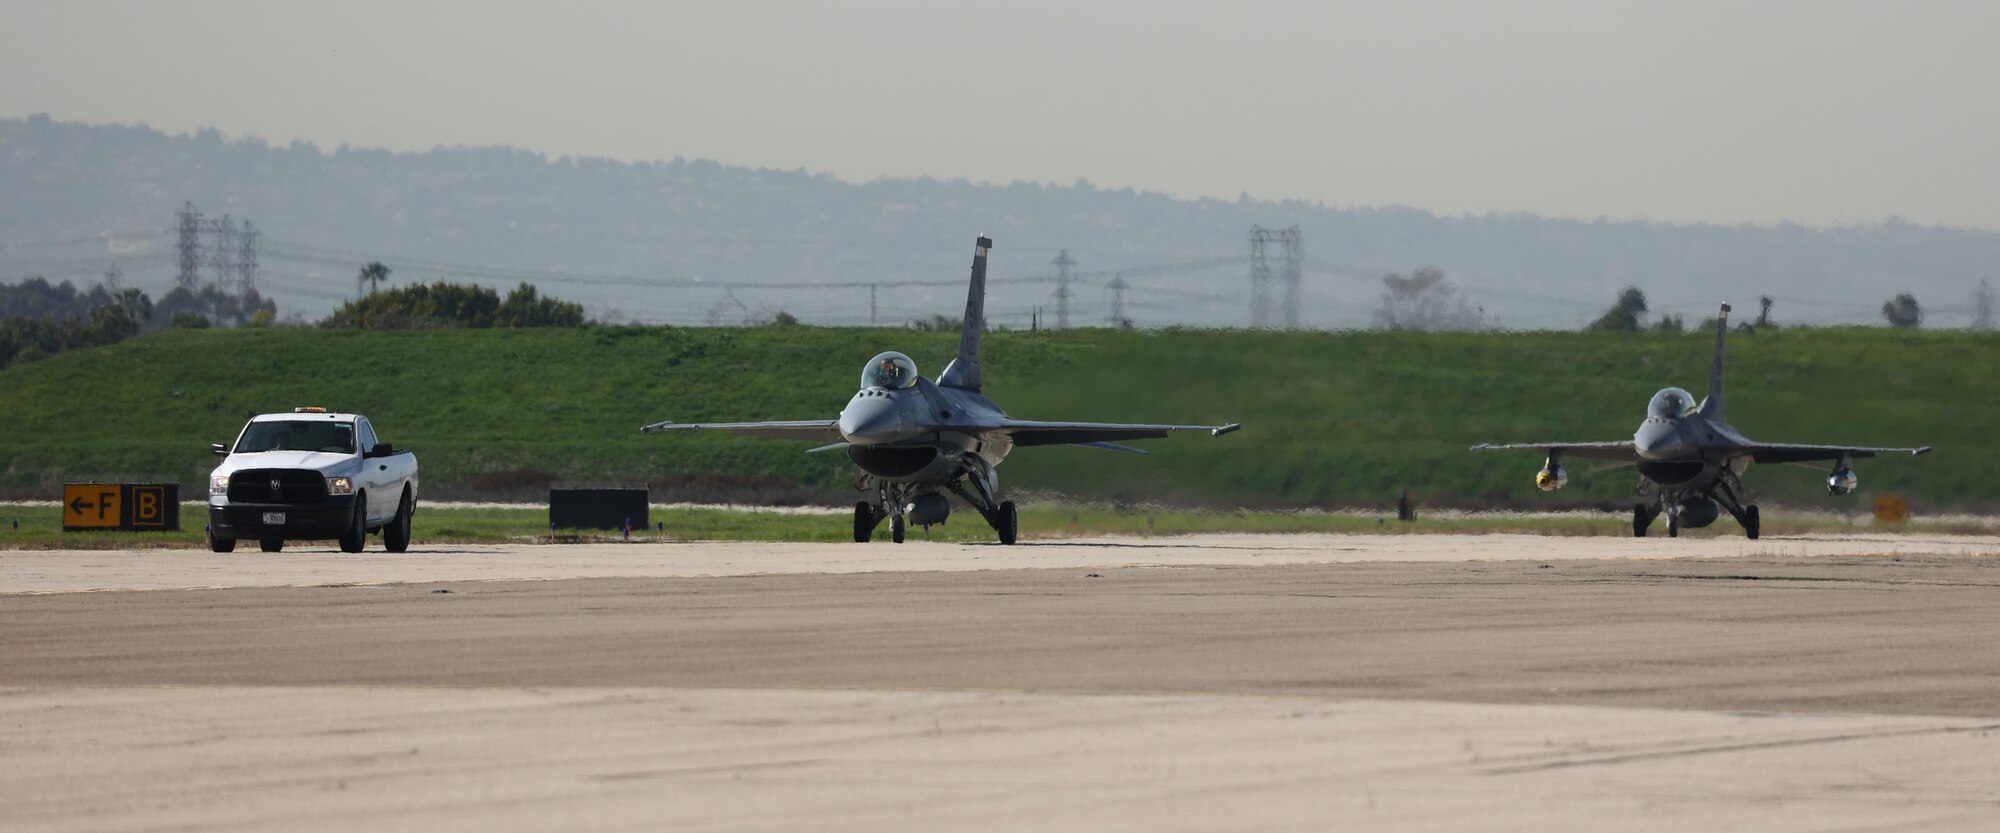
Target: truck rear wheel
(396, 536)
(356, 536)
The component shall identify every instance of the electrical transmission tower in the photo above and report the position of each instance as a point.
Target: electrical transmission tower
(1062, 264)
(1260, 274)
(1982, 307)
(1118, 287)
(188, 223)
(246, 257)
(114, 279)
(223, 258)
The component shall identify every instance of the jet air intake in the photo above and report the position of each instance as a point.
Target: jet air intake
(903, 463)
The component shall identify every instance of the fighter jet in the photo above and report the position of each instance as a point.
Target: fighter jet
(1691, 461)
(914, 439)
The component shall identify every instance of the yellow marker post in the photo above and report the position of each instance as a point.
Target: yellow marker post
(1891, 509)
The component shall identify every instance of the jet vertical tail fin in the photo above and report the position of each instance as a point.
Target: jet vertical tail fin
(963, 372)
(1712, 407)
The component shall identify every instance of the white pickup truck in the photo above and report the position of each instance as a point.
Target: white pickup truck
(310, 475)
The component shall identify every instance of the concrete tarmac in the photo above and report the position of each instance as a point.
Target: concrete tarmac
(1211, 683)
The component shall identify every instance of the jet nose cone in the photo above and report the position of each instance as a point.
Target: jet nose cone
(871, 418)
(1659, 439)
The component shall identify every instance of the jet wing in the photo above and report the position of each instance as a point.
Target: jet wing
(1620, 450)
(1027, 432)
(1792, 453)
(805, 429)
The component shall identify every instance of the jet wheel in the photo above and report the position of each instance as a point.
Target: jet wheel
(864, 522)
(1008, 522)
(897, 529)
(1673, 526)
(1751, 523)
(1640, 520)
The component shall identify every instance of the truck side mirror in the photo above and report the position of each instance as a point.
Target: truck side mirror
(382, 450)
(219, 449)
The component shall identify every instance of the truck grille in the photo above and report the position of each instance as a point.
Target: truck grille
(277, 486)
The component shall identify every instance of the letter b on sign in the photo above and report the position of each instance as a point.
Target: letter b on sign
(149, 506)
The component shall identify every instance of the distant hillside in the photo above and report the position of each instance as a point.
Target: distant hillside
(1330, 419)
(681, 241)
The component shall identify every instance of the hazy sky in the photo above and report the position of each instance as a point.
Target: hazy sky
(1818, 112)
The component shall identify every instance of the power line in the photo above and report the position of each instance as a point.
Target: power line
(78, 240)
(72, 268)
(303, 253)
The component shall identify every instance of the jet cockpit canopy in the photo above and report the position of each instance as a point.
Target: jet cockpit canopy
(891, 371)
(1671, 403)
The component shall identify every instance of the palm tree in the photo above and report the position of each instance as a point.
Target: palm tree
(372, 276)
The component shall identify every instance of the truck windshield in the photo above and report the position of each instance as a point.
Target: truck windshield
(297, 435)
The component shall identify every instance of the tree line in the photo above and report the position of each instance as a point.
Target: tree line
(1427, 300)
(39, 319)
(443, 304)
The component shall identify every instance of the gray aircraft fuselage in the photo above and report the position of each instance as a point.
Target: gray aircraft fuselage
(921, 433)
(1687, 451)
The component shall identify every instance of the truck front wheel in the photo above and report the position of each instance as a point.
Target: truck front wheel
(216, 544)
(356, 535)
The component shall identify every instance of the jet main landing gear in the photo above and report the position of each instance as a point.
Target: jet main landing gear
(865, 521)
(892, 498)
(1642, 517)
(1728, 492)
(998, 514)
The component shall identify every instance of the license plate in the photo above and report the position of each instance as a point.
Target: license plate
(274, 518)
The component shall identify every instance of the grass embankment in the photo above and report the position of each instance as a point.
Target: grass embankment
(1332, 419)
(40, 526)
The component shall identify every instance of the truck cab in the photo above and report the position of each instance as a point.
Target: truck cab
(310, 475)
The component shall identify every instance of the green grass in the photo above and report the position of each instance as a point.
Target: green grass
(40, 526)
(1331, 419)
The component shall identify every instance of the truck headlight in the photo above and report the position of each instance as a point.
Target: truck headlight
(218, 485)
(339, 486)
